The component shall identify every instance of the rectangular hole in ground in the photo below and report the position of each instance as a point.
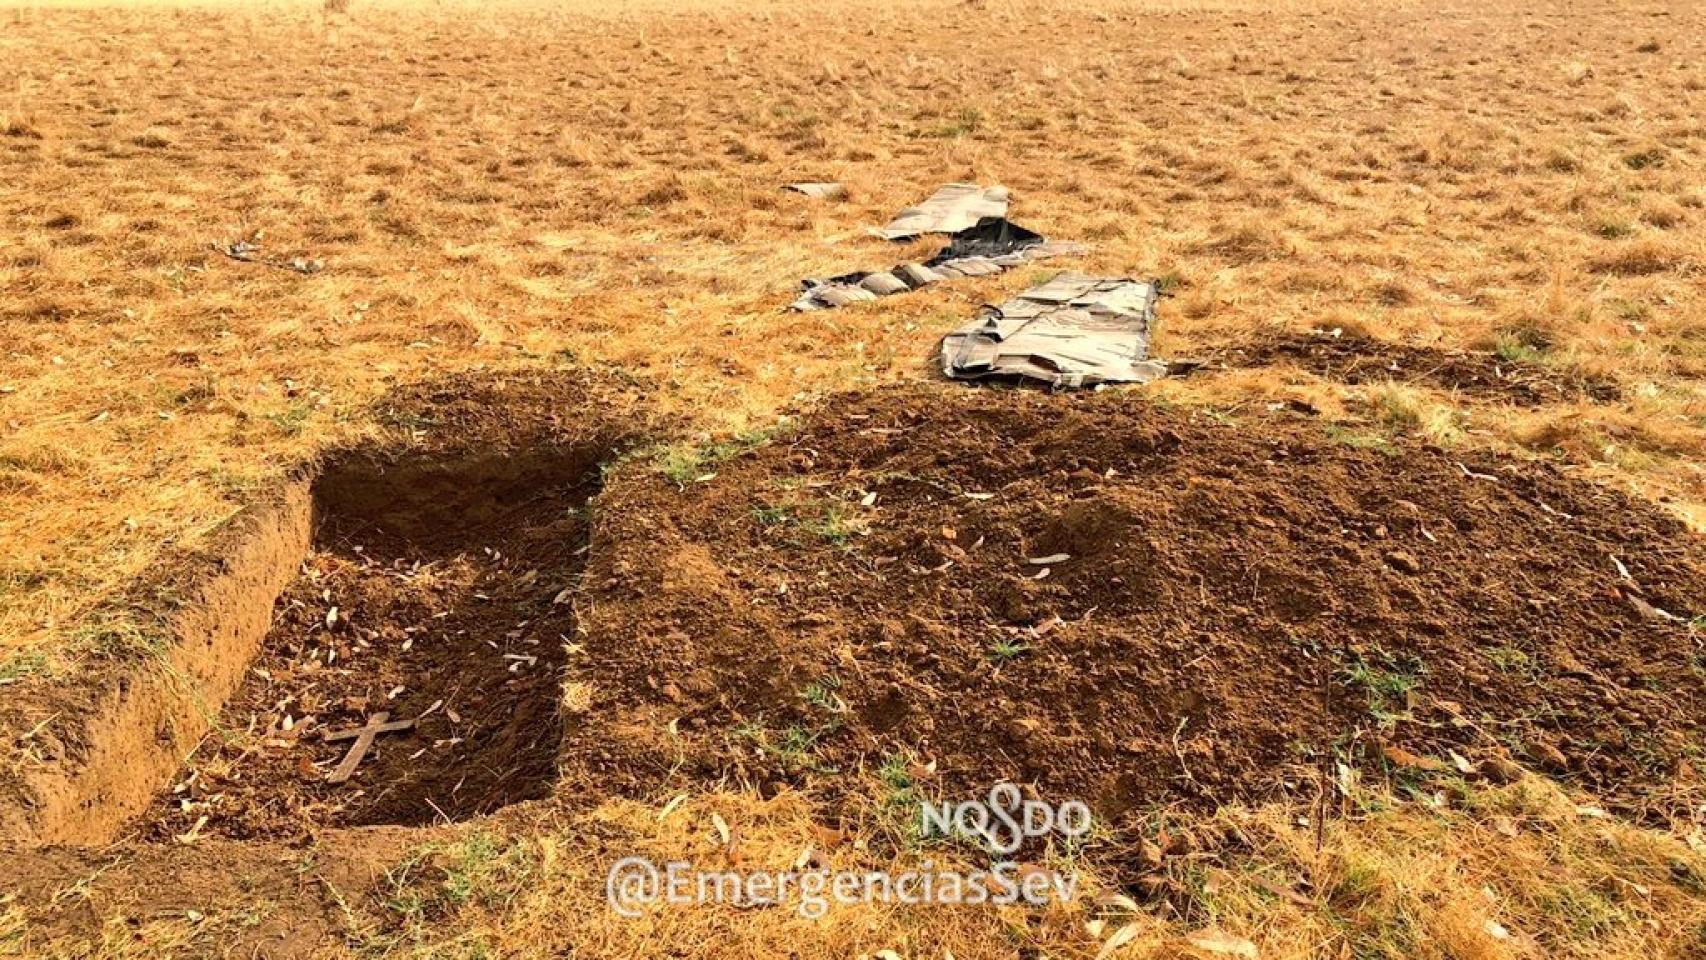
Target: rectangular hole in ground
(435, 592)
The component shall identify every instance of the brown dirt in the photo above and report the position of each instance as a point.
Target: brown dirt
(96, 739)
(1243, 604)
(1358, 359)
(242, 899)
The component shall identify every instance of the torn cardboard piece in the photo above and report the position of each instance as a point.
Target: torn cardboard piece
(1074, 331)
(990, 246)
(952, 208)
(819, 191)
(250, 252)
(997, 237)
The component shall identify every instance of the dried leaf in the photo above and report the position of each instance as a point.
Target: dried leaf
(674, 803)
(1347, 779)
(1120, 938)
(1399, 757)
(733, 851)
(1025, 871)
(1216, 940)
(1046, 627)
(1284, 893)
(1118, 901)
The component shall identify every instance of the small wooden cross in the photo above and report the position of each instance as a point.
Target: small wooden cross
(363, 736)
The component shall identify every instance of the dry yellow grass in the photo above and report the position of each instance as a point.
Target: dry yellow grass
(1512, 873)
(525, 184)
(597, 183)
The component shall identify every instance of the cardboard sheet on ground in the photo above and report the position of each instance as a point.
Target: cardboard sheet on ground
(1074, 331)
(992, 245)
(952, 208)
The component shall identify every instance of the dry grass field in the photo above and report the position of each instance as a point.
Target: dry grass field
(592, 185)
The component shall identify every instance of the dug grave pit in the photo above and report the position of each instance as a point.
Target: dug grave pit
(432, 595)
(437, 591)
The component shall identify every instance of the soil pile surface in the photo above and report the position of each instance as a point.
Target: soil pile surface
(1135, 605)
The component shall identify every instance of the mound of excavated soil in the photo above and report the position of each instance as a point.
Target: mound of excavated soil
(1127, 603)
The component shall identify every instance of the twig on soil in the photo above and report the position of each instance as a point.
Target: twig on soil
(194, 833)
(1325, 773)
(1622, 570)
(82, 888)
(1426, 374)
(1476, 476)
(1179, 751)
(30, 734)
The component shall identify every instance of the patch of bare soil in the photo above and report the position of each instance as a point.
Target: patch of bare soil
(1130, 604)
(249, 899)
(1357, 359)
